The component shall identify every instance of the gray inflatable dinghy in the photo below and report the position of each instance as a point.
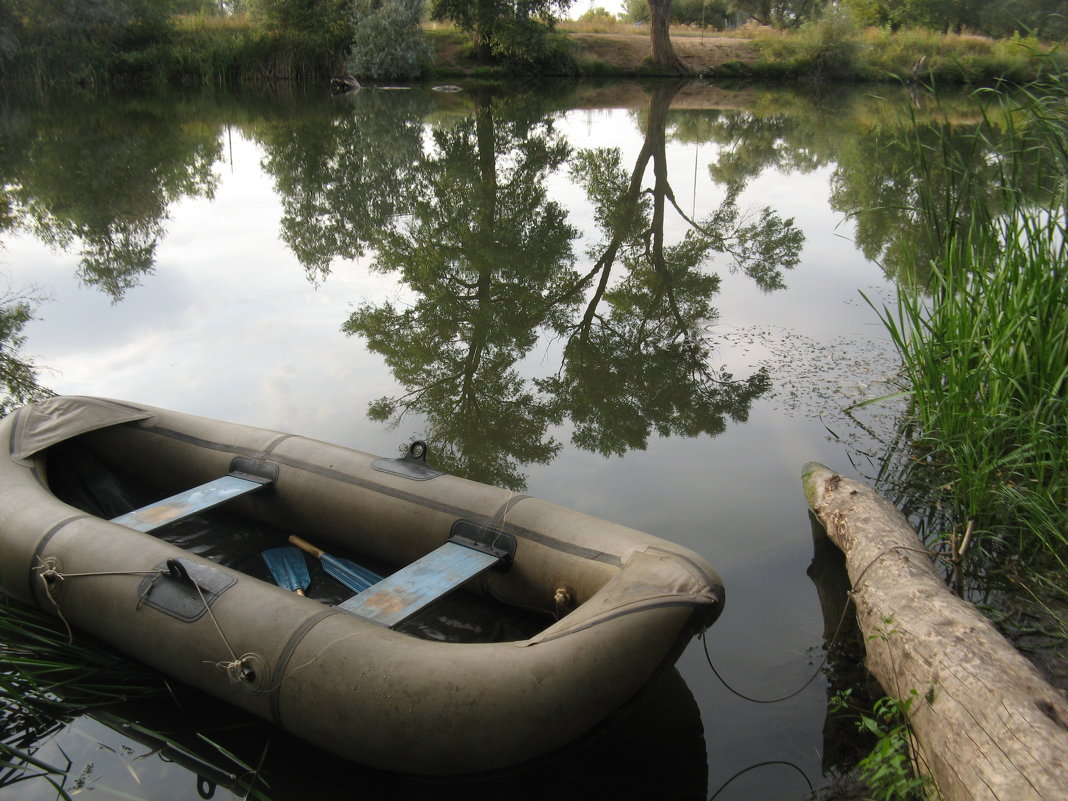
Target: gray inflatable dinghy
(613, 606)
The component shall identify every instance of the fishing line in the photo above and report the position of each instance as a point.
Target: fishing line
(743, 771)
(830, 643)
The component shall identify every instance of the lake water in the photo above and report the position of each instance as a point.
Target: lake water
(641, 302)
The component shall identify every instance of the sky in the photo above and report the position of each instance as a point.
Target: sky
(580, 7)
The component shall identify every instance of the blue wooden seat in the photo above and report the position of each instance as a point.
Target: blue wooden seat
(195, 500)
(471, 549)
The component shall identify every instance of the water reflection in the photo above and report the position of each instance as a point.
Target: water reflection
(99, 177)
(487, 256)
(489, 259)
(342, 171)
(477, 203)
(653, 749)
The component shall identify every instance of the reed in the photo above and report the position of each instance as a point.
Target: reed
(984, 350)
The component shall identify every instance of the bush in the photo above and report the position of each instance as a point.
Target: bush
(388, 43)
(830, 47)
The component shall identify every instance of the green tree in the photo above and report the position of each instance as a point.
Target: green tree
(125, 21)
(637, 359)
(781, 13)
(663, 53)
(327, 17)
(9, 29)
(388, 41)
(513, 29)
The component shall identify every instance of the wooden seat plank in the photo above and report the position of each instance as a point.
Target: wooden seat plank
(190, 502)
(396, 598)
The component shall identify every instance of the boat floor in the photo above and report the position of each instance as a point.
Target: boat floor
(77, 477)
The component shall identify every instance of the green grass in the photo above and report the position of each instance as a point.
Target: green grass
(835, 48)
(984, 350)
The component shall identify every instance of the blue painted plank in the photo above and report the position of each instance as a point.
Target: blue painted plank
(198, 499)
(394, 599)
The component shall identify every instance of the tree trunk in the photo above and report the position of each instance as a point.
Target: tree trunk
(663, 52)
(987, 725)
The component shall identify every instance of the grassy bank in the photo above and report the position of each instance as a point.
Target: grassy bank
(195, 50)
(211, 50)
(984, 350)
(835, 48)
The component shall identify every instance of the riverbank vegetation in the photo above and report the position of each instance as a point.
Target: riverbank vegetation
(256, 41)
(985, 363)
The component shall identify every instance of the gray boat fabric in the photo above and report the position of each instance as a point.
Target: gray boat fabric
(55, 420)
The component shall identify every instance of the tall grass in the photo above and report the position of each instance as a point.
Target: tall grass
(833, 47)
(985, 351)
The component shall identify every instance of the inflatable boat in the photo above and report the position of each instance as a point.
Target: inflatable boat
(148, 529)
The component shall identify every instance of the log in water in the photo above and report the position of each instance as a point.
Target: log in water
(987, 725)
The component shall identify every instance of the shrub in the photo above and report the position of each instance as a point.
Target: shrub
(830, 47)
(388, 43)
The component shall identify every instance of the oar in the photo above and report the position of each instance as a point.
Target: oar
(352, 575)
(288, 568)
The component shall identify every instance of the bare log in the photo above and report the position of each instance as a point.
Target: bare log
(987, 725)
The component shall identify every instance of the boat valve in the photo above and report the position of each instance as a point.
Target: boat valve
(565, 599)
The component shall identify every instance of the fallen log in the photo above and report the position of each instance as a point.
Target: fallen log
(986, 724)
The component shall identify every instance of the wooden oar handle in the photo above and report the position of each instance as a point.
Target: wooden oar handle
(304, 545)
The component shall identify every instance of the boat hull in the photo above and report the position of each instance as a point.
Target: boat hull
(625, 602)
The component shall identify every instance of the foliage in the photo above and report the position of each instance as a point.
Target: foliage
(1045, 18)
(388, 42)
(18, 376)
(717, 14)
(829, 46)
(115, 213)
(304, 16)
(843, 50)
(985, 357)
(887, 770)
(597, 14)
(513, 30)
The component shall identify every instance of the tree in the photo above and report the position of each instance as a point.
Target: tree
(100, 177)
(784, 13)
(660, 32)
(308, 16)
(93, 19)
(388, 42)
(342, 172)
(502, 28)
(637, 359)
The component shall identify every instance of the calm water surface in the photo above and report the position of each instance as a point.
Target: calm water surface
(642, 303)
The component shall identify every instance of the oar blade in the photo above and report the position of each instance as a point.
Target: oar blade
(356, 577)
(288, 568)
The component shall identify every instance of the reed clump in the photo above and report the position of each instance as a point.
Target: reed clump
(984, 350)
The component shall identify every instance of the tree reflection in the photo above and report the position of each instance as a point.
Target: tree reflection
(18, 375)
(484, 252)
(341, 172)
(638, 358)
(489, 259)
(100, 177)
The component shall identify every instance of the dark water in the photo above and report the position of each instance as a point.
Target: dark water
(642, 302)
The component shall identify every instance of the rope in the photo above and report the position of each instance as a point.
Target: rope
(799, 690)
(47, 573)
(830, 643)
